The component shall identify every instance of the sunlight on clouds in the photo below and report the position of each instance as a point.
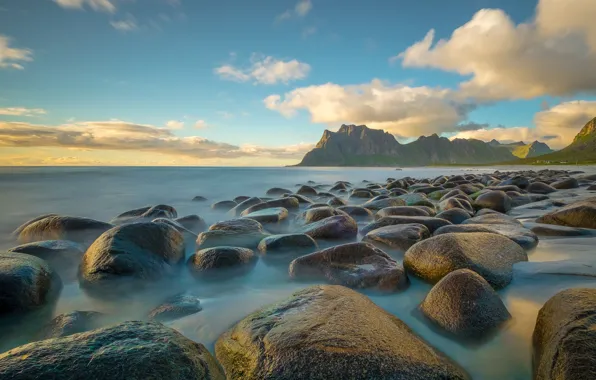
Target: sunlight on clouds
(21, 111)
(10, 56)
(402, 110)
(265, 70)
(200, 124)
(555, 54)
(175, 124)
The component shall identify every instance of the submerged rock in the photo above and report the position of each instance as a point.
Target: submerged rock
(279, 246)
(287, 203)
(567, 183)
(335, 201)
(26, 282)
(465, 305)
(72, 323)
(316, 214)
(240, 207)
(130, 350)
(56, 227)
(223, 205)
(63, 256)
(577, 214)
(540, 188)
(306, 190)
(277, 191)
(146, 214)
(193, 223)
(142, 252)
(176, 307)
(268, 215)
(564, 336)
(490, 255)
(401, 236)
(356, 265)
(199, 198)
(329, 332)
(332, 228)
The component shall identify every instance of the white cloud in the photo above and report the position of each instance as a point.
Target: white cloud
(554, 54)
(127, 25)
(265, 70)
(96, 5)
(116, 135)
(22, 111)
(200, 124)
(402, 110)
(175, 124)
(10, 56)
(556, 126)
(301, 9)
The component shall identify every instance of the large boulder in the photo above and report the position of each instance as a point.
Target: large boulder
(540, 188)
(141, 252)
(357, 212)
(241, 232)
(210, 262)
(564, 337)
(356, 265)
(316, 214)
(287, 203)
(401, 211)
(465, 305)
(567, 183)
(240, 207)
(431, 223)
(26, 282)
(57, 227)
(73, 323)
(456, 203)
(577, 214)
(281, 249)
(178, 306)
(332, 228)
(130, 350)
(494, 200)
(329, 332)
(63, 256)
(490, 255)
(378, 204)
(399, 236)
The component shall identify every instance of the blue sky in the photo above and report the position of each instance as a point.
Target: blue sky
(152, 62)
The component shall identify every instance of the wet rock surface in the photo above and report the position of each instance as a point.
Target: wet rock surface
(401, 236)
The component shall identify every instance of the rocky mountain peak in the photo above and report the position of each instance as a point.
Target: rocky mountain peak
(587, 132)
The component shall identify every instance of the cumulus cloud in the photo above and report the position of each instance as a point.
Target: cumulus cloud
(556, 126)
(175, 124)
(301, 9)
(554, 54)
(265, 70)
(116, 135)
(11, 57)
(400, 109)
(96, 5)
(200, 124)
(21, 111)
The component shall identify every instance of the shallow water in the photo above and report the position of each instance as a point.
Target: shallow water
(103, 193)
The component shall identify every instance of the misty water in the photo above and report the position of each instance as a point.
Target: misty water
(103, 193)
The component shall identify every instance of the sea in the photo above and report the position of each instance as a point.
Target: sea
(104, 192)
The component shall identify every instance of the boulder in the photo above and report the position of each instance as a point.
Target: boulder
(490, 255)
(72, 323)
(316, 214)
(430, 222)
(400, 211)
(143, 252)
(240, 207)
(26, 283)
(335, 201)
(563, 340)
(577, 214)
(332, 228)
(383, 203)
(301, 198)
(339, 186)
(193, 223)
(223, 205)
(465, 305)
(416, 199)
(522, 236)
(199, 198)
(56, 227)
(268, 215)
(329, 332)
(276, 249)
(176, 307)
(456, 203)
(456, 193)
(494, 200)
(209, 263)
(527, 199)
(63, 256)
(361, 193)
(591, 188)
(306, 190)
(277, 191)
(540, 188)
(400, 236)
(145, 214)
(130, 350)
(553, 230)
(454, 215)
(286, 203)
(567, 183)
(357, 212)
(355, 265)
(241, 198)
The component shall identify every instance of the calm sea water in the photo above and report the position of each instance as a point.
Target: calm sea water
(104, 192)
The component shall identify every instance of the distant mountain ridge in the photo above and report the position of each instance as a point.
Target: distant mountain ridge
(581, 150)
(522, 150)
(358, 145)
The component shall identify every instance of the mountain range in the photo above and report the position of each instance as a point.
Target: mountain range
(358, 145)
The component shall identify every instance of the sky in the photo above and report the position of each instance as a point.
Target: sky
(256, 82)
